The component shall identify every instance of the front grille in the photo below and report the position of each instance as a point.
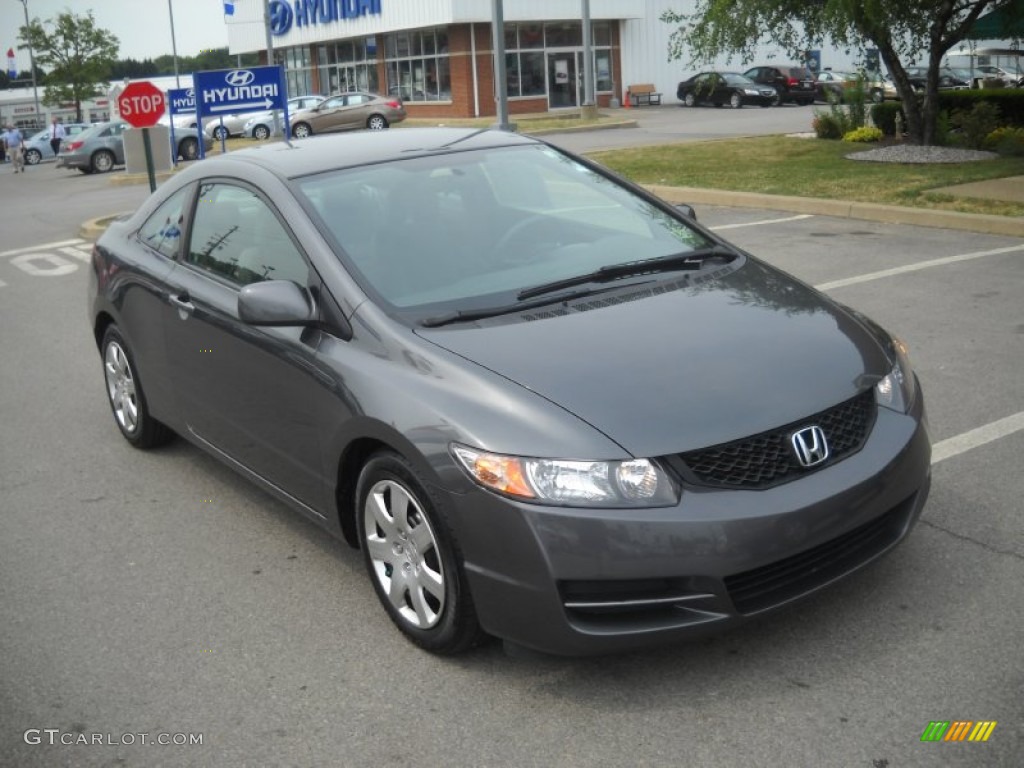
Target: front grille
(770, 585)
(767, 459)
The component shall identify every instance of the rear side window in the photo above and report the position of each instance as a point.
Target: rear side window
(162, 231)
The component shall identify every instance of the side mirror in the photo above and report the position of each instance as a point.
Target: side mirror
(687, 211)
(275, 302)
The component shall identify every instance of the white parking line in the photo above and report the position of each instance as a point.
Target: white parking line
(953, 446)
(43, 247)
(763, 221)
(865, 278)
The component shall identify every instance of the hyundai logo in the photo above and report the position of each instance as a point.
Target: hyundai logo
(239, 77)
(280, 17)
(810, 446)
(190, 93)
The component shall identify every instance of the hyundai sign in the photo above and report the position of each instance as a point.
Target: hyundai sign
(234, 91)
(304, 13)
(182, 101)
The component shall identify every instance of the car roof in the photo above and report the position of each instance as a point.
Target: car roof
(331, 152)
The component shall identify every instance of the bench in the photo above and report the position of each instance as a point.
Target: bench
(643, 94)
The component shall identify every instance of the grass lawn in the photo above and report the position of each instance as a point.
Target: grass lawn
(779, 165)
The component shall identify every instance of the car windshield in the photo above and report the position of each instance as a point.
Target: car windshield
(472, 229)
(733, 79)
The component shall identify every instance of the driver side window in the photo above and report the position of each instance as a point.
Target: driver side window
(237, 236)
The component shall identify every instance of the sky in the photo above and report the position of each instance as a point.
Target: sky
(143, 27)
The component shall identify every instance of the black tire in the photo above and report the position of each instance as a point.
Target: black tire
(102, 161)
(188, 148)
(220, 132)
(33, 157)
(877, 96)
(736, 101)
(434, 608)
(261, 132)
(377, 122)
(690, 100)
(301, 130)
(776, 100)
(86, 171)
(125, 394)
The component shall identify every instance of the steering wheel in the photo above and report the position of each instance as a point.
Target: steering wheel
(514, 231)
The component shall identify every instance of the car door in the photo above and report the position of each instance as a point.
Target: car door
(114, 140)
(250, 392)
(328, 115)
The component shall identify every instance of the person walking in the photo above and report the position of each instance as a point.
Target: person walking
(14, 142)
(56, 135)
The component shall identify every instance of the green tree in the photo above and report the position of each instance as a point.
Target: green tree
(79, 56)
(901, 30)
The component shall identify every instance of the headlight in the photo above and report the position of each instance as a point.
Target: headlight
(897, 390)
(630, 483)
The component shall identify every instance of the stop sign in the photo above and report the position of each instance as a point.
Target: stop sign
(141, 104)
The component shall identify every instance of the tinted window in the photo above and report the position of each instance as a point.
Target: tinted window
(237, 236)
(163, 230)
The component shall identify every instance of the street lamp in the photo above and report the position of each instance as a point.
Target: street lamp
(174, 45)
(32, 64)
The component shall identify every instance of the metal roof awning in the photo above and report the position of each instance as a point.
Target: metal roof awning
(1004, 23)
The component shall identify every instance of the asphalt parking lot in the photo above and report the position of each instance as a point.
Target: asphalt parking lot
(160, 594)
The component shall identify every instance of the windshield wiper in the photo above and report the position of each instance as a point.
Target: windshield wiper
(465, 315)
(677, 261)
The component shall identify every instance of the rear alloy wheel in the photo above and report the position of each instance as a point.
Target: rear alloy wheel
(188, 149)
(125, 395)
(33, 156)
(735, 101)
(412, 558)
(301, 131)
(690, 100)
(261, 132)
(376, 123)
(103, 161)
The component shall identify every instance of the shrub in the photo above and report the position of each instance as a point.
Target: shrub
(826, 126)
(1006, 141)
(865, 134)
(975, 125)
(884, 116)
(1009, 100)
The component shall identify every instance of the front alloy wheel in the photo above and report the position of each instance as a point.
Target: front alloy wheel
(690, 100)
(412, 559)
(261, 132)
(124, 392)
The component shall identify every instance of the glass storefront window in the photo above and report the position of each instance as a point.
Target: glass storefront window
(563, 34)
(417, 65)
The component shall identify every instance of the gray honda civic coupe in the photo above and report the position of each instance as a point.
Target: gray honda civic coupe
(546, 405)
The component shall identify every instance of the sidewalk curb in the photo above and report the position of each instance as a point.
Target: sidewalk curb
(846, 209)
(92, 229)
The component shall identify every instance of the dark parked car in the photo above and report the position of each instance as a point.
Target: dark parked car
(346, 112)
(101, 147)
(793, 83)
(949, 79)
(543, 402)
(720, 88)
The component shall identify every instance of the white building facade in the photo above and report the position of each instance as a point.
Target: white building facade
(439, 57)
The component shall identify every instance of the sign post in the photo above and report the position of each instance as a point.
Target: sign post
(182, 102)
(141, 104)
(223, 91)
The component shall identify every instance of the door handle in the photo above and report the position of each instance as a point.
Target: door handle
(184, 304)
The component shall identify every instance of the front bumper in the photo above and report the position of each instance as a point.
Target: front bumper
(584, 581)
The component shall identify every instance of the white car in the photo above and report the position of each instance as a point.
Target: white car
(224, 126)
(261, 124)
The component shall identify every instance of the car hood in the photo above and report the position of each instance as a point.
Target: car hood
(671, 371)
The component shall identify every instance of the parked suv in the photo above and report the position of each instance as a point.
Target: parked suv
(792, 82)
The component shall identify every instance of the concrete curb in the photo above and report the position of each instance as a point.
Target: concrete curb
(846, 209)
(92, 229)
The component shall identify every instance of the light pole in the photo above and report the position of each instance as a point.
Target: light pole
(174, 45)
(32, 64)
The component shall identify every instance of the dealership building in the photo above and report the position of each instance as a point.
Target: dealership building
(437, 55)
